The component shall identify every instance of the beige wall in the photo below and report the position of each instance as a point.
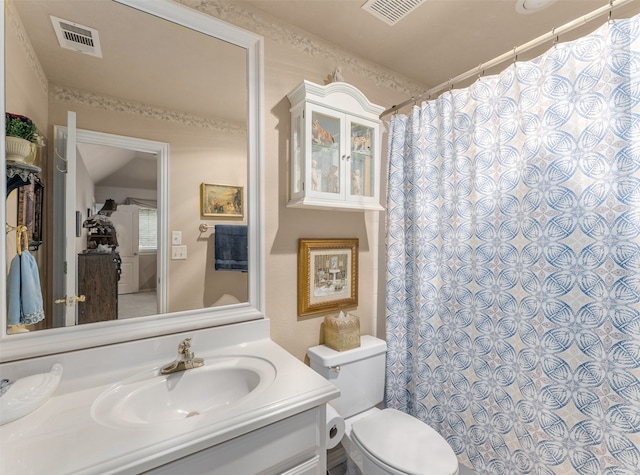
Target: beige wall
(285, 67)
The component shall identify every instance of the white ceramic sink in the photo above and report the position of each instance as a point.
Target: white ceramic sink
(151, 398)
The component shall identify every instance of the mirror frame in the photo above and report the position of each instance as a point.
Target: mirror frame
(62, 340)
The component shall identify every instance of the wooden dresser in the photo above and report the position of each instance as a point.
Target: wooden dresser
(98, 275)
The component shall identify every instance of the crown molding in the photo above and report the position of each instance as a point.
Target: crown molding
(63, 94)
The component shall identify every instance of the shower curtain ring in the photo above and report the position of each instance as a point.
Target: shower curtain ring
(556, 37)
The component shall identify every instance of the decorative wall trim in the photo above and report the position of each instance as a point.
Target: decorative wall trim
(286, 34)
(15, 24)
(96, 101)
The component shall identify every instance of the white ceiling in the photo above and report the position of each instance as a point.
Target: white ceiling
(145, 60)
(118, 167)
(441, 38)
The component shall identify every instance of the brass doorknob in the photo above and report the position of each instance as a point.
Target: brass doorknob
(70, 301)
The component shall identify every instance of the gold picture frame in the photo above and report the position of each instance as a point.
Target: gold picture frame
(327, 275)
(221, 201)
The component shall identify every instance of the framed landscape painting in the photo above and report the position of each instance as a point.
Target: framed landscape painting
(221, 201)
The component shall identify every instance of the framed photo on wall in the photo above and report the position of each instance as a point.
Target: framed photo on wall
(327, 275)
(221, 201)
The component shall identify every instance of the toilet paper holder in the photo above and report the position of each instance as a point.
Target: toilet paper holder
(335, 427)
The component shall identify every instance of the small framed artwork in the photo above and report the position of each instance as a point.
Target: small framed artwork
(221, 201)
(327, 275)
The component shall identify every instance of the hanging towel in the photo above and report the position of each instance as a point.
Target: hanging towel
(231, 247)
(23, 291)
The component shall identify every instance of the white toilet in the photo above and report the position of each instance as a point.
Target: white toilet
(379, 442)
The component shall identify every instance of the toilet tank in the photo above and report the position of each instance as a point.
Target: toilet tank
(360, 377)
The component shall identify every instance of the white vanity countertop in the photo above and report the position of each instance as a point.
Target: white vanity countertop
(61, 437)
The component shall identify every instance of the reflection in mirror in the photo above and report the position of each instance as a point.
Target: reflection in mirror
(139, 79)
(129, 177)
(118, 209)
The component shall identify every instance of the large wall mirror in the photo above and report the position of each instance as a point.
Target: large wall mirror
(141, 102)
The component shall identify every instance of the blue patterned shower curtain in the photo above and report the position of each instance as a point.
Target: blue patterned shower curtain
(513, 262)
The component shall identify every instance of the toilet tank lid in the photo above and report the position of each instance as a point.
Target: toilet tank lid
(369, 346)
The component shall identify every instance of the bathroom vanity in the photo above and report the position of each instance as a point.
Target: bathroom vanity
(91, 424)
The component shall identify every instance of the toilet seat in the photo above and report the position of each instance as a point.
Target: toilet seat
(404, 444)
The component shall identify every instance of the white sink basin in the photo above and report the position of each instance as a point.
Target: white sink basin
(151, 398)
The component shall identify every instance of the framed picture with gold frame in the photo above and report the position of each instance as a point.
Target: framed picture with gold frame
(327, 275)
(221, 201)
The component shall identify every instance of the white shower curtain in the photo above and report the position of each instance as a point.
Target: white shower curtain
(513, 262)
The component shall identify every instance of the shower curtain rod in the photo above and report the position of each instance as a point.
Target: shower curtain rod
(555, 33)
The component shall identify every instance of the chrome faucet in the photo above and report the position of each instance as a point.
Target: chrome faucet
(186, 359)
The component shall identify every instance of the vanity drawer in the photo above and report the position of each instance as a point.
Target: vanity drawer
(287, 447)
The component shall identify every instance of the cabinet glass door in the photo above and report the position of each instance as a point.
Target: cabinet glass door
(362, 169)
(325, 154)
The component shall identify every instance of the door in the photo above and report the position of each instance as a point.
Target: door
(64, 240)
(125, 220)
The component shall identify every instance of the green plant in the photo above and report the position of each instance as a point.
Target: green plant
(20, 126)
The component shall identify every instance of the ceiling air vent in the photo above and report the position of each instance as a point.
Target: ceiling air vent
(77, 37)
(391, 11)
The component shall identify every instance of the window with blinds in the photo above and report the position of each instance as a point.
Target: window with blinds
(148, 232)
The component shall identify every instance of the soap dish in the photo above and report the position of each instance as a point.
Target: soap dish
(27, 394)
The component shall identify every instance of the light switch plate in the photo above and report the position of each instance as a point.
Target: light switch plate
(176, 238)
(178, 252)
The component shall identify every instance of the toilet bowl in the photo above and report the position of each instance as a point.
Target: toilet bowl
(388, 441)
(378, 441)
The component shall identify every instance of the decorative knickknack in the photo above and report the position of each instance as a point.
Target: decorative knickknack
(18, 149)
(342, 332)
(22, 138)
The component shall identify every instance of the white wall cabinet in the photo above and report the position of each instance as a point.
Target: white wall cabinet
(335, 140)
